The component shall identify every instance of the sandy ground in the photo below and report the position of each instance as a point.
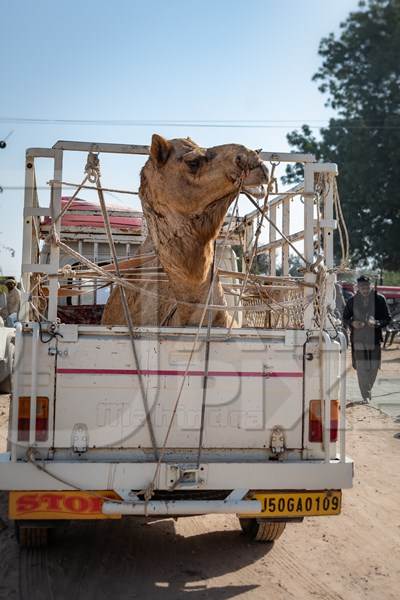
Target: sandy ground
(353, 556)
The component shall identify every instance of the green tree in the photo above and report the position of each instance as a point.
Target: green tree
(360, 74)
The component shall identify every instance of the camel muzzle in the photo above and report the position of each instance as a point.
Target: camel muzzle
(257, 180)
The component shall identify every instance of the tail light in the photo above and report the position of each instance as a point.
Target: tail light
(42, 418)
(316, 424)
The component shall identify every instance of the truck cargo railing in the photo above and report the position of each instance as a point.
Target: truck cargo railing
(313, 292)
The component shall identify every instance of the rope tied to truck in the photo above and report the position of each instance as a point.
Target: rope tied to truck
(92, 168)
(148, 492)
(249, 262)
(93, 172)
(90, 171)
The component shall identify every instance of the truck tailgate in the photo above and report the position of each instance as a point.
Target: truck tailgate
(253, 384)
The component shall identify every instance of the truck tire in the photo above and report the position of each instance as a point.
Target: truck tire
(262, 530)
(31, 537)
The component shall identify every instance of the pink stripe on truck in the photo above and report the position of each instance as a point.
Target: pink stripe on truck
(173, 373)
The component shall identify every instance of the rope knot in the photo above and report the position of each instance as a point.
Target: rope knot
(67, 271)
(92, 168)
(148, 492)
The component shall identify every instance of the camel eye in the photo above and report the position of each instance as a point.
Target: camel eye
(194, 164)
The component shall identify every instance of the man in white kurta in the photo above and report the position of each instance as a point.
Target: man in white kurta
(13, 302)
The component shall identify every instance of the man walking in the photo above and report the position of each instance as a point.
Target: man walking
(13, 302)
(365, 314)
(3, 307)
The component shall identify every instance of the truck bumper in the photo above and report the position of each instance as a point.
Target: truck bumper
(293, 475)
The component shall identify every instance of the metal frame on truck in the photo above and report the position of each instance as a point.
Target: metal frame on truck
(57, 364)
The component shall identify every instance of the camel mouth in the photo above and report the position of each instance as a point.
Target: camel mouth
(256, 181)
(257, 191)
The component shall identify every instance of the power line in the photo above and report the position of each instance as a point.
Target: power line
(227, 124)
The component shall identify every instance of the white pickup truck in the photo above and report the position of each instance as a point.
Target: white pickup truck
(95, 434)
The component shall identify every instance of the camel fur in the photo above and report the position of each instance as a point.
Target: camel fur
(185, 192)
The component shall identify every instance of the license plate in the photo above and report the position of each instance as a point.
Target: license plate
(299, 504)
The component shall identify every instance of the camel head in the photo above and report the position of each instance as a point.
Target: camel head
(183, 178)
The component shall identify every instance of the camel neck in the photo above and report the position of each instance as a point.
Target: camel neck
(185, 243)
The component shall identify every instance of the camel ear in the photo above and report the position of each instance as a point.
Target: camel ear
(160, 149)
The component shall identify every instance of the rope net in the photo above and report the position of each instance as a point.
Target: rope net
(258, 301)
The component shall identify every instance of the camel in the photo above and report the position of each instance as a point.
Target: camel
(185, 191)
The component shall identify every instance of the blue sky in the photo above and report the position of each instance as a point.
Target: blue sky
(152, 60)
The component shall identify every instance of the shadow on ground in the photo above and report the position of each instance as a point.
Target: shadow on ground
(132, 559)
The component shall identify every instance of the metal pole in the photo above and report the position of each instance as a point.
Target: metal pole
(19, 340)
(286, 232)
(309, 242)
(328, 223)
(343, 382)
(34, 370)
(325, 348)
(309, 193)
(56, 191)
(182, 507)
(272, 238)
(27, 237)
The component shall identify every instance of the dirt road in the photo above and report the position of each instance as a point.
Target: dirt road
(354, 556)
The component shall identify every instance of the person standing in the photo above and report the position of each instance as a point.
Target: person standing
(13, 302)
(3, 307)
(365, 314)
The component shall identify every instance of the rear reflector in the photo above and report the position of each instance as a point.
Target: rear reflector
(315, 421)
(42, 418)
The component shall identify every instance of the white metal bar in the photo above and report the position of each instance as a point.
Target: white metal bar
(95, 260)
(140, 149)
(282, 475)
(323, 168)
(39, 211)
(326, 390)
(309, 194)
(295, 237)
(248, 241)
(88, 237)
(34, 372)
(80, 250)
(296, 157)
(187, 334)
(286, 232)
(41, 152)
(343, 390)
(237, 494)
(27, 235)
(328, 219)
(101, 147)
(296, 190)
(17, 364)
(56, 191)
(183, 507)
(272, 239)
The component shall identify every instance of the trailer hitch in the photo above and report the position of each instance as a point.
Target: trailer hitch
(186, 476)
